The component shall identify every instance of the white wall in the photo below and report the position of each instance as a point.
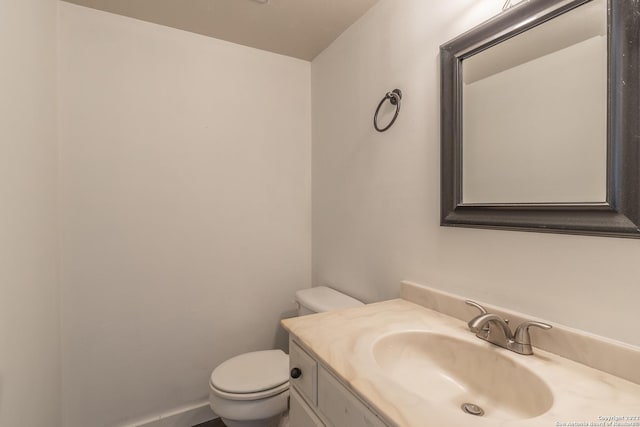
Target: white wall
(376, 197)
(29, 327)
(185, 206)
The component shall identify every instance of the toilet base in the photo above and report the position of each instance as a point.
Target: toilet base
(265, 412)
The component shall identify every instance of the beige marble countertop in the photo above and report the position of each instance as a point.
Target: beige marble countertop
(342, 341)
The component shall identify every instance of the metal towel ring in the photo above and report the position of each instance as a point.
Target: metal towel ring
(394, 98)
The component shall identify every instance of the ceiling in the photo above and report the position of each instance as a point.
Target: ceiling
(298, 28)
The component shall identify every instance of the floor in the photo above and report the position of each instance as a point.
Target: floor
(214, 423)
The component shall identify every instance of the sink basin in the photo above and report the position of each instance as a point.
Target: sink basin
(451, 372)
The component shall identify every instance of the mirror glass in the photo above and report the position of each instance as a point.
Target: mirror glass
(534, 118)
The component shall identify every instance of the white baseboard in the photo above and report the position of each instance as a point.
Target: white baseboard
(186, 416)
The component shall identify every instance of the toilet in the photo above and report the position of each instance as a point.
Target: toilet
(252, 389)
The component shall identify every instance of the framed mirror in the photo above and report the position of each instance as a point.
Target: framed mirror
(540, 120)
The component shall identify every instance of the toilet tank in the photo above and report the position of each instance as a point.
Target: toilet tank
(321, 299)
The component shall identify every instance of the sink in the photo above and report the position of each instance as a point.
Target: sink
(450, 373)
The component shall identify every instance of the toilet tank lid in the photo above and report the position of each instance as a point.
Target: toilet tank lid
(252, 372)
(322, 298)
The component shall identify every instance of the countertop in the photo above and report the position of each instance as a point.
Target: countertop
(342, 341)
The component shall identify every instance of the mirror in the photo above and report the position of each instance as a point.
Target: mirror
(539, 120)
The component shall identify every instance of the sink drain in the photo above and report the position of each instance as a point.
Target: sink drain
(472, 409)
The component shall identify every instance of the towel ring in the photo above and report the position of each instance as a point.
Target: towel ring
(394, 98)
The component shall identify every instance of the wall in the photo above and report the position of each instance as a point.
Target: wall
(185, 206)
(29, 327)
(376, 197)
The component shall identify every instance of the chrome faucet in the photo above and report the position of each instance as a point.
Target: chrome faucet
(494, 329)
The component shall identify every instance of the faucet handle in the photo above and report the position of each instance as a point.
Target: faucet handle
(476, 305)
(482, 311)
(522, 331)
(522, 337)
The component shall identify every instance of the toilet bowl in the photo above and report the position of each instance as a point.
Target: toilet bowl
(252, 389)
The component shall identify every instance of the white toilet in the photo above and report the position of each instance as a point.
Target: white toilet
(252, 389)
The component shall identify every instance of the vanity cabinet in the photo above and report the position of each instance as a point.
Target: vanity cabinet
(300, 413)
(319, 399)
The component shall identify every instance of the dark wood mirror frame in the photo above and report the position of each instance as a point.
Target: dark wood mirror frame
(619, 216)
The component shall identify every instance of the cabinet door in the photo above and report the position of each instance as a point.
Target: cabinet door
(340, 407)
(300, 415)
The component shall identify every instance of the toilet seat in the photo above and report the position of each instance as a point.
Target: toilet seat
(251, 376)
(250, 396)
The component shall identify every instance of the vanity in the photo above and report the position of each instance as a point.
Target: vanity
(413, 362)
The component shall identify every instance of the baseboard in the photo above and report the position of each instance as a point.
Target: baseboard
(186, 416)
